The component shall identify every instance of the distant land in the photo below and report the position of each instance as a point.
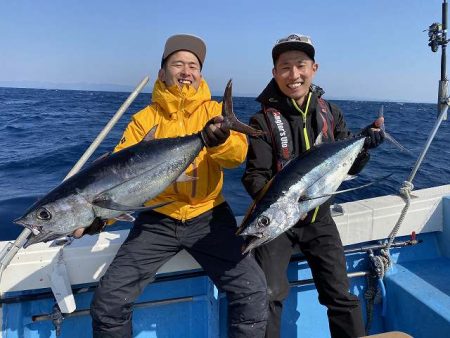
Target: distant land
(147, 89)
(71, 86)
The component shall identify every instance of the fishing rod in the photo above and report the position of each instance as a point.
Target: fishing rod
(7, 255)
(437, 34)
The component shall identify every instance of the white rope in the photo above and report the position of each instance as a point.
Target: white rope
(405, 193)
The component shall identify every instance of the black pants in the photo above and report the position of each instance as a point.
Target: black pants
(155, 238)
(321, 244)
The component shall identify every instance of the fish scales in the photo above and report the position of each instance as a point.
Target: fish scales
(303, 184)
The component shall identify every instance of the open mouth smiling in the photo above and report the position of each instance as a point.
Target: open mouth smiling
(295, 85)
(184, 81)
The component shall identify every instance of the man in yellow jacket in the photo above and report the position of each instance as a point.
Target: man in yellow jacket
(198, 219)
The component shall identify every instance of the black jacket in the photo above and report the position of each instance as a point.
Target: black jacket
(261, 164)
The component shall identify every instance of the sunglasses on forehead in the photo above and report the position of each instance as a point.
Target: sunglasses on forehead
(295, 37)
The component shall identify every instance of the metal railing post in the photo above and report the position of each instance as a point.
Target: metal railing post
(22, 238)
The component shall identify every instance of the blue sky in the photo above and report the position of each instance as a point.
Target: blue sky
(365, 49)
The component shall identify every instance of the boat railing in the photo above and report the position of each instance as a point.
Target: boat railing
(437, 37)
(8, 253)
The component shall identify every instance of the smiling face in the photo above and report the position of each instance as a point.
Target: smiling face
(181, 68)
(293, 72)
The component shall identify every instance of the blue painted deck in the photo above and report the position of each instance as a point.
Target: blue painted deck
(189, 318)
(417, 301)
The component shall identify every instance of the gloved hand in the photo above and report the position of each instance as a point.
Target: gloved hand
(96, 227)
(215, 132)
(374, 136)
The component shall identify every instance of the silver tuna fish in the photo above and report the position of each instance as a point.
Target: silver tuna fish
(120, 183)
(304, 183)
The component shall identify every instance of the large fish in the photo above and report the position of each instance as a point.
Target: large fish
(303, 184)
(119, 184)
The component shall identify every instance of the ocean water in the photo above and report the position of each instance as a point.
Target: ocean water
(44, 132)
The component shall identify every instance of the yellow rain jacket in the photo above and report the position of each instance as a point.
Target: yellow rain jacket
(180, 112)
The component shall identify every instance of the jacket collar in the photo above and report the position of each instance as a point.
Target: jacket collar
(174, 100)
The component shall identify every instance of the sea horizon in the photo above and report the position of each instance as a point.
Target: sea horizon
(115, 88)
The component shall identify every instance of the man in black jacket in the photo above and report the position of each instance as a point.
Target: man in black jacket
(293, 115)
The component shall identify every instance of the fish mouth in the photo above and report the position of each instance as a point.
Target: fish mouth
(252, 241)
(35, 229)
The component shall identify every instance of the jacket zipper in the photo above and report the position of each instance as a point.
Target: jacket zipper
(304, 116)
(183, 212)
(306, 138)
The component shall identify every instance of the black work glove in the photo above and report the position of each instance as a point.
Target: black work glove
(96, 227)
(374, 136)
(215, 132)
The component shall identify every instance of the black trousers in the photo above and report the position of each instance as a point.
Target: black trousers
(155, 238)
(321, 244)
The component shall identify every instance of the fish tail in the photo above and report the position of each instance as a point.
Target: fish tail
(230, 117)
(379, 123)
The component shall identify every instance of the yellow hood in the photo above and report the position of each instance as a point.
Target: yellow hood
(173, 99)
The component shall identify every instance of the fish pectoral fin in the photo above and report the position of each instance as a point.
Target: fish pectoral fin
(125, 218)
(374, 181)
(101, 158)
(391, 139)
(150, 135)
(304, 198)
(186, 178)
(111, 205)
(319, 139)
(350, 177)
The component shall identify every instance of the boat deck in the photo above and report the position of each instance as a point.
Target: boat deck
(184, 303)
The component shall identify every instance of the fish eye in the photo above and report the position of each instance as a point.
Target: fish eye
(263, 221)
(43, 214)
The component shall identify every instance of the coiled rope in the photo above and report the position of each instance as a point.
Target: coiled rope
(380, 263)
